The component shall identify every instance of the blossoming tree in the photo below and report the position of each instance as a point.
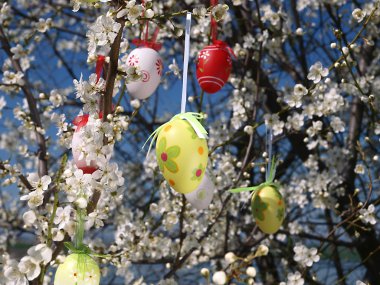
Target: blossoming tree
(72, 169)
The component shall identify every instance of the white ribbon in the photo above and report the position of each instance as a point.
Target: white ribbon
(186, 62)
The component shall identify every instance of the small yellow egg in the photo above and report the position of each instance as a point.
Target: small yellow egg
(78, 269)
(268, 209)
(181, 155)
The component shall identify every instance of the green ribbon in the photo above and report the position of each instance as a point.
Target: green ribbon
(191, 117)
(268, 182)
(78, 246)
(83, 249)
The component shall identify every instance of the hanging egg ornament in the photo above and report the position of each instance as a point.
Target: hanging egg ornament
(214, 66)
(77, 269)
(150, 64)
(268, 209)
(76, 144)
(201, 197)
(181, 155)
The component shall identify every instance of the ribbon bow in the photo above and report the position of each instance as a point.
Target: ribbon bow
(268, 182)
(192, 118)
(144, 43)
(83, 249)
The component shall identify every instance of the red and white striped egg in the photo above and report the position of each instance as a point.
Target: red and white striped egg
(214, 66)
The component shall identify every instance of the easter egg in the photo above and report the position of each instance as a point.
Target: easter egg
(79, 122)
(181, 155)
(78, 269)
(268, 209)
(213, 67)
(151, 67)
(201, 197)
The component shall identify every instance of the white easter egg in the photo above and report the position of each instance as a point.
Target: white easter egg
(201, 197)
(76, 145)
(151, 67)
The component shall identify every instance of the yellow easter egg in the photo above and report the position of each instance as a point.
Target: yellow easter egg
(181, 155)
(268, 209)
(78, 269)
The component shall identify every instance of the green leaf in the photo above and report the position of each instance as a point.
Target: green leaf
(70, 246)
(171, 166)
(173, 151)
(242, 189)
(161, 145)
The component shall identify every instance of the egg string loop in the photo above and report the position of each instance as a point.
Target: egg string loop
(269, 146)
(214, 24)
(99, 66)
(268, 182)
(186, 61)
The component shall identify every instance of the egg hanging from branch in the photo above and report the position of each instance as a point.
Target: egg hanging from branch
(214, 66)
(77, 144)
(181, 153)
(201, 197)
(150, 64)
(77, 269)
(268, 209)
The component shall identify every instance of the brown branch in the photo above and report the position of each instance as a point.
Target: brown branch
(22, 178)
(34, 114)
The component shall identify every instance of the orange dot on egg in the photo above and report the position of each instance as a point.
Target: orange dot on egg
(167, 128)
(200, 150)
(279, 202)
(171, 182)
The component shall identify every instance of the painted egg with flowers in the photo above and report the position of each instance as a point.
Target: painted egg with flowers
(76, 144)
(268, 209)
(77, 269)
(181, 155)
(214, 66)
(150, 64)
(201, 197)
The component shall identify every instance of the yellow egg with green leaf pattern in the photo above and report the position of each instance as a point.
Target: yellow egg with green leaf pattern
(181, 155)
(268, 209)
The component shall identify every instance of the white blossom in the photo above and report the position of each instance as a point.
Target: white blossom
(219, 278)
(230, 257)
(173, 67)
(358, 15)
(337, 124)
(2, 105)
(219, 11)
(251, 271)
(359, 168)
(13, 275)
(305, 256)
(29, 217)
(273, 120)
(368, 215)
(316, 72)
(295, 279)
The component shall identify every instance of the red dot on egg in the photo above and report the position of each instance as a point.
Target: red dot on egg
(198, 173)
(164, 156)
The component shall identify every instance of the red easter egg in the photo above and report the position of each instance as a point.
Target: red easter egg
(214, 66)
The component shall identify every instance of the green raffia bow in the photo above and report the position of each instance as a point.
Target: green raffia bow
(191, 117)
(83, 249)
(268, 182)
(78, 247)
